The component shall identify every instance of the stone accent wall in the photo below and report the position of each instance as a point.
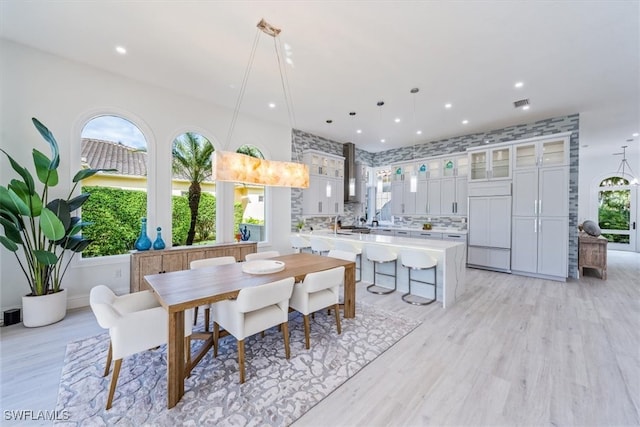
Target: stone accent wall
(302, 141)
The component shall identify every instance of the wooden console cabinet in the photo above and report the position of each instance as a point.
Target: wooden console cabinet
(592, 253)
(179, 258)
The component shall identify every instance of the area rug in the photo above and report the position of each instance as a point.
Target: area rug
(276, 392)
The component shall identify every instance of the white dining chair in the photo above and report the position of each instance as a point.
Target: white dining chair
(134, 325)
(256, 309)
(318, 291)
(202, 263)
(261, 255)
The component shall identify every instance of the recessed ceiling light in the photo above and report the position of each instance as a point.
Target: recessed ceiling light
(397, 120)
(518, 85)
(635, 135)
(526, 107)
(383, 140)
(359, 131)
(121, 50)
(464, 122)
(272, 105)
(448, 106)
(419, 132)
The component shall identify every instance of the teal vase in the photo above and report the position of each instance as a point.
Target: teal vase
(143, 242)
(158, 243)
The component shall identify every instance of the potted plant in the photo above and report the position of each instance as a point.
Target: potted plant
(42, 233)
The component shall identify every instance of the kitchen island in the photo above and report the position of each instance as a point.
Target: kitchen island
(451, 257)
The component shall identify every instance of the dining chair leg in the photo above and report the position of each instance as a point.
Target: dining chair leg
(306, 331)
(109, 356)
(216, 337)
(207, 319)
(241, 360)
(114, 381)
(337, 310)
(285, 334)
(195, 316)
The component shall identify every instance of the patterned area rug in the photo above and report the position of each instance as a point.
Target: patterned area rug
(276, 392)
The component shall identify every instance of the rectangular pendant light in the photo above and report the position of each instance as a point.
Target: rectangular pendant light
(236, 167)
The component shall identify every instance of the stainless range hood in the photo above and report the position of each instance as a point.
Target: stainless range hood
(349, 153)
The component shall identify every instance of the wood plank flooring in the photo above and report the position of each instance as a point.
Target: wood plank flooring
(513, 351)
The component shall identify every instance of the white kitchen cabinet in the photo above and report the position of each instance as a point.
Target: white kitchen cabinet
(551, 152)
(453, 196)
(539, 246)
(490, 224)
(490, 164)
(325, 195)
(403, 200)
(455, 166)
(425, 234)
(541, 221)
(434, 192)
(541, 192)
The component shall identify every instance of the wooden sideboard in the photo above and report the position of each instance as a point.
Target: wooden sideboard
(592, 253)
(179, 258)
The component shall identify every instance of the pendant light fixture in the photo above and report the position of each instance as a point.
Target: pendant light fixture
(624, 166)
(236, 167)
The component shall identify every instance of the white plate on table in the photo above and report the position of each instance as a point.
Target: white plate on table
(262, 266)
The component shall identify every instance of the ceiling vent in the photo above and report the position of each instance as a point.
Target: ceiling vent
(521, 103)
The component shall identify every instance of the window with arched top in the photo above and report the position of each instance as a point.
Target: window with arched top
(193, 197)
(614, 209)
(249, 205)
(118, 199)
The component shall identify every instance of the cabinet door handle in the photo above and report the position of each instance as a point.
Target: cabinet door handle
(319, 206)
(535, 207)
(540, 207)
(535, 226)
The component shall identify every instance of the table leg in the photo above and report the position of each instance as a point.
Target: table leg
(350, 290)
(175, 359)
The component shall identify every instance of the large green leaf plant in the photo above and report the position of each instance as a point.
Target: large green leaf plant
(46, 231)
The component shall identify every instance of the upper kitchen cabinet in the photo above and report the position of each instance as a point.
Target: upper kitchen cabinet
(325, 195)
(455, 166)
(403, 189)
(490, 163)
(542, 153)
(429, 169)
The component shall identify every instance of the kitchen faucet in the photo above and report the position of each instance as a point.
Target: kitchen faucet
(335, 225)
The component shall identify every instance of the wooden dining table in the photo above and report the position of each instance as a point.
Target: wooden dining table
(181, 290)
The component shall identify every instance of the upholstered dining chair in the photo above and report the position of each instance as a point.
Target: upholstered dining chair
(202, 263)
(135, 324)
(256, 309)
(318, 291)
(261, 255)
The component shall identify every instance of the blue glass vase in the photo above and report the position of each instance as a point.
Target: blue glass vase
(158, 243)
(143, 242)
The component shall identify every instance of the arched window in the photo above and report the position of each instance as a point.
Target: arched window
(614, 209)
(193, 192)
(118, 199)
(249, 205)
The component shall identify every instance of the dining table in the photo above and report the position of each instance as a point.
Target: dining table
(178, 291)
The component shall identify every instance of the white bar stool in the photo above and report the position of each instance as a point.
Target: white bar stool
(300, 243)
(380, 255)
(348, 247)
(319, 246)
(417, 260)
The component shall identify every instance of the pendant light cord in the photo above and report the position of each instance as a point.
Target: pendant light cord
(243, 88)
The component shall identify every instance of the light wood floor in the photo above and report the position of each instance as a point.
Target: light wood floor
(513, 351)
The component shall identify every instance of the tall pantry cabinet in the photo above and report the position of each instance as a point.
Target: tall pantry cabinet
(540, 222)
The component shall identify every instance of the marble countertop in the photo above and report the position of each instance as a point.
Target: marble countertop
(434, 229)
(387, 240)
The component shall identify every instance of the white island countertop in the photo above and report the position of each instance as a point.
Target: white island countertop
(450, 255)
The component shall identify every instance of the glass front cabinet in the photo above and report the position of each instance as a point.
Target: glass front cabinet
(552, 152)
(490, 164)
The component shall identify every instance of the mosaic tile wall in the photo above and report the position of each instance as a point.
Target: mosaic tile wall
(302, 141)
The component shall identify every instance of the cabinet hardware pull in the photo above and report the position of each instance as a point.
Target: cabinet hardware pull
(535, 207)
(540, 207)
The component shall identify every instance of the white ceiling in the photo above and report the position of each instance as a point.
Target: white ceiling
(573, 57)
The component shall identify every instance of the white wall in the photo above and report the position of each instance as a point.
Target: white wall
(63, 95)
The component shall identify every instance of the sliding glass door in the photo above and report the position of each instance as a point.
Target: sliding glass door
(617, 212)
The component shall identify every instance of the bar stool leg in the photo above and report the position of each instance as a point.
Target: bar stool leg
(371, 289)
(434, 284)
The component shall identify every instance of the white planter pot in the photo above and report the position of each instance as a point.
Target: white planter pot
(44, 310)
